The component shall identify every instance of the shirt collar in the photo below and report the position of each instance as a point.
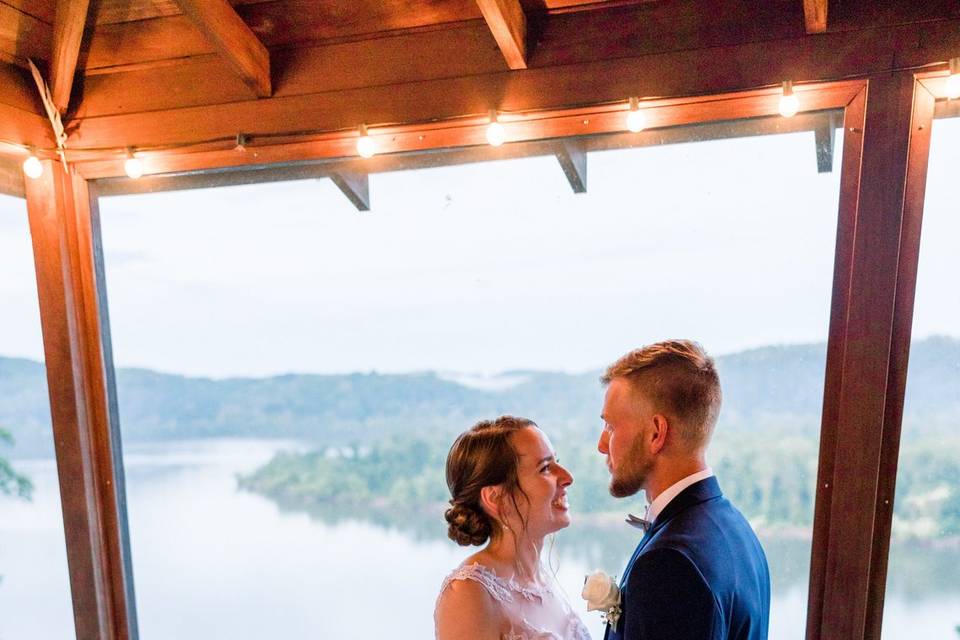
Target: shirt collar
(661, 501)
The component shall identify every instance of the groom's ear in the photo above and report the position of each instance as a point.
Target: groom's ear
(490, 500)
(658, 435)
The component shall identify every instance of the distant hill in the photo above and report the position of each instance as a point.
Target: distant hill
(775, 388)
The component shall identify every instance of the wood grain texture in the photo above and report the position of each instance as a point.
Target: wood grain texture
(405, 57)
(471, 131)
(864, 394)
(11, 178)
(853, 119)
(60, 214)
(815, 15)
(43, 10)
(68, 27)
(23, 127)
(731, 68)
(913, 196)
(274, 23)
(23, 36)
(508, 24)
(234, 40)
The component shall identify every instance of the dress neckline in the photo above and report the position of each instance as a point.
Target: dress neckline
(529, 592)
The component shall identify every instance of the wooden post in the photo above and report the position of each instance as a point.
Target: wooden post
(884, 168)
(66, 245)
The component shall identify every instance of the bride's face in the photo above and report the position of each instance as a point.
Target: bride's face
(544, 481)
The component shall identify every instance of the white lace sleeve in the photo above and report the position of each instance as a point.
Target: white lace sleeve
(478, 573)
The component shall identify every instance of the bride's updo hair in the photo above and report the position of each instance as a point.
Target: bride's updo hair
(481, 457)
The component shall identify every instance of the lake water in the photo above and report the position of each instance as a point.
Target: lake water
(212, 562)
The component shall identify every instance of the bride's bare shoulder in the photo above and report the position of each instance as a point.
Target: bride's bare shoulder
(466, 609)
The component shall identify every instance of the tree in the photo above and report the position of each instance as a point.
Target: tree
(11, 482)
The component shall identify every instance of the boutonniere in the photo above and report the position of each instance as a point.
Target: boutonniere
(602, 594)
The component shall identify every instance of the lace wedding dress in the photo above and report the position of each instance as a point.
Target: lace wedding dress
(523, 606)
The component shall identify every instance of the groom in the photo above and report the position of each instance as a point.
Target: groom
(699, 572)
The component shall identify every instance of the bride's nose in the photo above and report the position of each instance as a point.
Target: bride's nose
(566, 478)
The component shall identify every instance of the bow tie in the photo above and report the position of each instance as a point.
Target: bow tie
(639, 523)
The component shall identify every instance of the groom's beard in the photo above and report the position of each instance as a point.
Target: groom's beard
(630, 477)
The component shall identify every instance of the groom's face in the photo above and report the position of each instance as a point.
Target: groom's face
(626, 412)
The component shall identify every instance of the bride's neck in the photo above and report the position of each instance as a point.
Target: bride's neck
(522, 554)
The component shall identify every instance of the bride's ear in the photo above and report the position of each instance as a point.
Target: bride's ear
(490, 500)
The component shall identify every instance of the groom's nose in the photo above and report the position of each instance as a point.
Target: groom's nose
(603, 445)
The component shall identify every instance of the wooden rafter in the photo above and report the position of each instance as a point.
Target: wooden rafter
(571, 153)
(233, 39)
(355, 186)
(68, 24)
(508, 24)
(815, 15)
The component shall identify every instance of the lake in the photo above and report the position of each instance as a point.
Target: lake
(212, 562)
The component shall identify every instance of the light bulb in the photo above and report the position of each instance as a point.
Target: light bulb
(496, 136)
(789, 104)
(366, 147)
(32, 167)
(952, 87)
(133, 167)
(636, 119)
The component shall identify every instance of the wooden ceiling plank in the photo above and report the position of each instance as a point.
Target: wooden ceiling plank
(572, 156)
(40, 9)
(230, 35)
(23, 36)
(815, 15)
(355, 186)
(68, 28)
(508, 24)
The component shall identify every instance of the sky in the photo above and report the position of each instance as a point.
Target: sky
(484, 268)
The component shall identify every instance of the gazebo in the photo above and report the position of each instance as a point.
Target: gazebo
(102, 97)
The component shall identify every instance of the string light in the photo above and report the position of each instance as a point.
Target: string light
(496, 136)
(132, 165)
(366, 147)
(952, 87)
(32, 167)
(789, 104)
(636, 119)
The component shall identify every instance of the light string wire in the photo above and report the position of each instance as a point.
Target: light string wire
(248, 137)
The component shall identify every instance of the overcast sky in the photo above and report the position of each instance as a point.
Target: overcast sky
(484, 268)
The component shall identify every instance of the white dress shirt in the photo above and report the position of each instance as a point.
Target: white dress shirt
(661, 501)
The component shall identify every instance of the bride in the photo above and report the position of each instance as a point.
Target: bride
(509, 491)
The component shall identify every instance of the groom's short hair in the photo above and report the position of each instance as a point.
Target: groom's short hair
(680, 379)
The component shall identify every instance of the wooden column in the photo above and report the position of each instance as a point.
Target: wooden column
(65, 231)
(884, 166)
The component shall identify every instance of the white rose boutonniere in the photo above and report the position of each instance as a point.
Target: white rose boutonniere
(602, 594)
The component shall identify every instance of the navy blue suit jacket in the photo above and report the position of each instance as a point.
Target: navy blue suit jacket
(699, 573)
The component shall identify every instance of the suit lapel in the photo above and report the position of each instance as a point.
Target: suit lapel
(696, 493)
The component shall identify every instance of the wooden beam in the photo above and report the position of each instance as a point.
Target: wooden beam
(76, 341)
(355, 186)
(68, 25)
(824, 136)
(234, 40)
(861, 400)
(22, 36)
(835, 54)
(908, 260)
(472, 131)
(508, 24)
(11, 178)
(572, 155)
(815, 15)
